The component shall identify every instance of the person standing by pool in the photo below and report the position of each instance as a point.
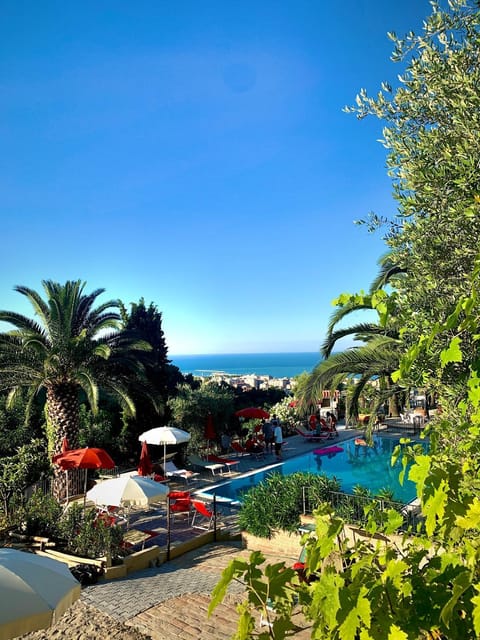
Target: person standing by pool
(278, 438)
(267, 430)
(332, 422)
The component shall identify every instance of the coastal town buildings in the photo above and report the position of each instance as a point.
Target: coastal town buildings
(252, 381)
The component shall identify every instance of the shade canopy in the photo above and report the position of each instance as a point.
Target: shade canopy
(145, 463)
(87, 458)
(65, 445)
(128, 491)
(34, 592)
(209, 433)
(252, 412)
(164, 435)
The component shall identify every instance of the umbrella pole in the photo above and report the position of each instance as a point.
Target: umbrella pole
(168, 527)
(85, 490)
(164, 459)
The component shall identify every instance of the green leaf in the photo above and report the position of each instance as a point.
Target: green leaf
(246, 624)
(453, 353)
(395, 633)
(419, 472)
(359, 614)
(459, 585)
(476, 611)
(219, 591)
(394, 572)
(471, 520)
(435, 507)
(394, 522)
(326, 599)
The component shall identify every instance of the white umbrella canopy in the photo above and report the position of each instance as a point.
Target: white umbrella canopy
(128, 491)
(34, 592)
(164, 435)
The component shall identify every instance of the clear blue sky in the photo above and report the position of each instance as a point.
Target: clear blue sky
(196, 154)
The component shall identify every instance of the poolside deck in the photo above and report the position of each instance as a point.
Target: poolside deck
(152, 526)
(153, 522)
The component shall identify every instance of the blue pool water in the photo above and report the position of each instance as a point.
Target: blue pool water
(369, 467)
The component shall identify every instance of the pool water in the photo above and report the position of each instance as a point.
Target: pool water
(369, 467)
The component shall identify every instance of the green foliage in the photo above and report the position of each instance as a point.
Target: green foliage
(191, 407)
(276, 585)
(14, 431)
(70, 348)
(96, 429)
(431, 135)
(145, 323)
(278, 501)
(19, 471)
(41, 515)
(374, 357)
(87, 536)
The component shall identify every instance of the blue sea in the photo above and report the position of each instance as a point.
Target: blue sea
(277, 365)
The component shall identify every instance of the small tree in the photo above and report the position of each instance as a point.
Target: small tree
(19, 471)
(191, 407)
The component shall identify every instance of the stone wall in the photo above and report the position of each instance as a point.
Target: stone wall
(281, 543)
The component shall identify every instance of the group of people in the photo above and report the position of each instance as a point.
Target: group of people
(321, 424)
(269, 441)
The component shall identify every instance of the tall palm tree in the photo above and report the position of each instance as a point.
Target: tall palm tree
(375, 358)
(71, 347)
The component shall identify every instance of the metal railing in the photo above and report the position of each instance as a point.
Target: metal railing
(353, 508)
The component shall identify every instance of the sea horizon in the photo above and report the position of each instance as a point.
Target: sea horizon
(276, 365)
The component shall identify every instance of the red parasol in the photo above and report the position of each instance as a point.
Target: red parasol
(145, 464)
(209, 433)
(87, 458)
(65, 445)
(252, 412)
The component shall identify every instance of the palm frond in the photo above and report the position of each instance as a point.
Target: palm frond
(37, 302)
(342, 312)
(378, 357)
(361, 331)
(388, 270)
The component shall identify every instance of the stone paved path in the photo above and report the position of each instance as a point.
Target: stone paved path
(194, 572)
(170, 602)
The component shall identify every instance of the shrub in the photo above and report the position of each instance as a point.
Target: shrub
(278, 501)
(87, 536)
(41, 515)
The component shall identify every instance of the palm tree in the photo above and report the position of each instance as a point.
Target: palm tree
(71, 348)
(376, 357)
(374, 360)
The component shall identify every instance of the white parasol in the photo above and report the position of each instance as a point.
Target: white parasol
(128, 491)
(164, 435)
(34, 592)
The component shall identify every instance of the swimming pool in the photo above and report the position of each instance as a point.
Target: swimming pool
(356, 465)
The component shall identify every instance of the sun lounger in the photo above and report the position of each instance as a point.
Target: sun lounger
(208, 465)
(312, 436)
(224, 461)
(171, 471)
